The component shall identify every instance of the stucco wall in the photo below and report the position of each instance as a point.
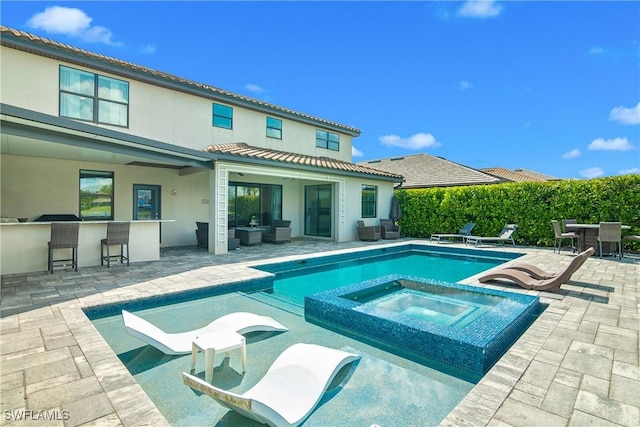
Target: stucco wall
(32, 186)
(32, 82)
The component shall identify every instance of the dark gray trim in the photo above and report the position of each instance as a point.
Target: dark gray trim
(147, 147)
(26, 131)
(149, 144)
(103, 64)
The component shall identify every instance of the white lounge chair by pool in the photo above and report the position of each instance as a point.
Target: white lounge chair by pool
(289, 391)
(180, 343)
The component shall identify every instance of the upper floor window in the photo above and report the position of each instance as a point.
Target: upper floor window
(222, 116)
(96, 195)
(327, 140)
(92, 97)
(369, 201)
(274, 128)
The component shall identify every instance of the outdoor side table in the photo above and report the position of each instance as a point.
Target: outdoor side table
(217, 341)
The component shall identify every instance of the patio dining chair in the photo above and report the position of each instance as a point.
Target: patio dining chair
(610, 232)
(560, 236)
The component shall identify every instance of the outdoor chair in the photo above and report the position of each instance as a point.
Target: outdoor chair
(202, 234)
(279, 232)
(526, 281)
(63, 236)
(389, 230)
(560, 236)
(610, 232)
(630, 238)
(233, 242)
(290, 390)
(462, 234)
(117, 235)
(180, 342)
(506, 235)
(368, 232)
(566, 223)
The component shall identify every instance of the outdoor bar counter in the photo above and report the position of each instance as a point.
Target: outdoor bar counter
(23, 245)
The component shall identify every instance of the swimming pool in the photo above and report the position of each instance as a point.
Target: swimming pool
(412, 393)
(296, 279)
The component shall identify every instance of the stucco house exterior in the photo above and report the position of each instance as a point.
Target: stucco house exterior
(105, 139)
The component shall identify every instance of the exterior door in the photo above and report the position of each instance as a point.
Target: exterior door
(317, 200)
(146, 203)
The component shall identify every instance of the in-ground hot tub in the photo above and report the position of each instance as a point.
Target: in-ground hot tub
(459, 329)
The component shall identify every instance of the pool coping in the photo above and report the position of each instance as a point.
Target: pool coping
(133, 407)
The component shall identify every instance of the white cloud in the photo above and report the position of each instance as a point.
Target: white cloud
(591, 172)
(480, 9)
(626, 116)
(148, 49)
(629, 171)
(596, 50)
(571, 154)
(464, 85)
(414, 142)
(355, 152)
(71, 22)
(254, 88)
(616, 144)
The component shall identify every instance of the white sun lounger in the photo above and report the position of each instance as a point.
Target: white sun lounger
(289, 391)
(180, 343)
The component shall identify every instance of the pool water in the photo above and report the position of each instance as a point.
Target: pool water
(299, 280)
(384, 389)
(433, 308)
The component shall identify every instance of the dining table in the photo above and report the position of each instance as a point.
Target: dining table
(589, 237)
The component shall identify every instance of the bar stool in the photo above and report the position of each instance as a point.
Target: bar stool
(117, 234)
(63, 236)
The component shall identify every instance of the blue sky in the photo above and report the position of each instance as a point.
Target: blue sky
(548, 86)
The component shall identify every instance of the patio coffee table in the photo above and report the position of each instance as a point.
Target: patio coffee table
(249, 235)
(217, 341)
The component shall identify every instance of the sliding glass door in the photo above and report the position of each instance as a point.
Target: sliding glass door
(317, 207)
(260, 202)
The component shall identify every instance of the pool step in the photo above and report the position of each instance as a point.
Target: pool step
(274, 301)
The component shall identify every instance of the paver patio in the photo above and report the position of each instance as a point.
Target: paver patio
(576, 365)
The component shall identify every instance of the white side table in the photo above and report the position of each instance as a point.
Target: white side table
(217, 341)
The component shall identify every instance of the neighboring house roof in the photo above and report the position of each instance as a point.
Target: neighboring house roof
(518, 175)
(243, 150)
(42, 46)
(424, 170)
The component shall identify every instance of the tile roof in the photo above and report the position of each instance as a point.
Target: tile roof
(243, 150)
(229, 96)
(424, 170)
(518, 175)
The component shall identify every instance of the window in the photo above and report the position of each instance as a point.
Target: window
(369, 199)
(274, 128)
(222, 116)
(327, 140)
(96, 195)
(94, 98)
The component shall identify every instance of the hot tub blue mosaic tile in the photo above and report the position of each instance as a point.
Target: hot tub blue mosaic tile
(465, 342)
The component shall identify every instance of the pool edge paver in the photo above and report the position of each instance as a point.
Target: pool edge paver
(575, 316)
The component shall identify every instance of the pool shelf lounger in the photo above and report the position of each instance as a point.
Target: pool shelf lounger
(459, 329)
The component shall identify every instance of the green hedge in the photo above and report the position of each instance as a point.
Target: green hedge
(530, 205)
